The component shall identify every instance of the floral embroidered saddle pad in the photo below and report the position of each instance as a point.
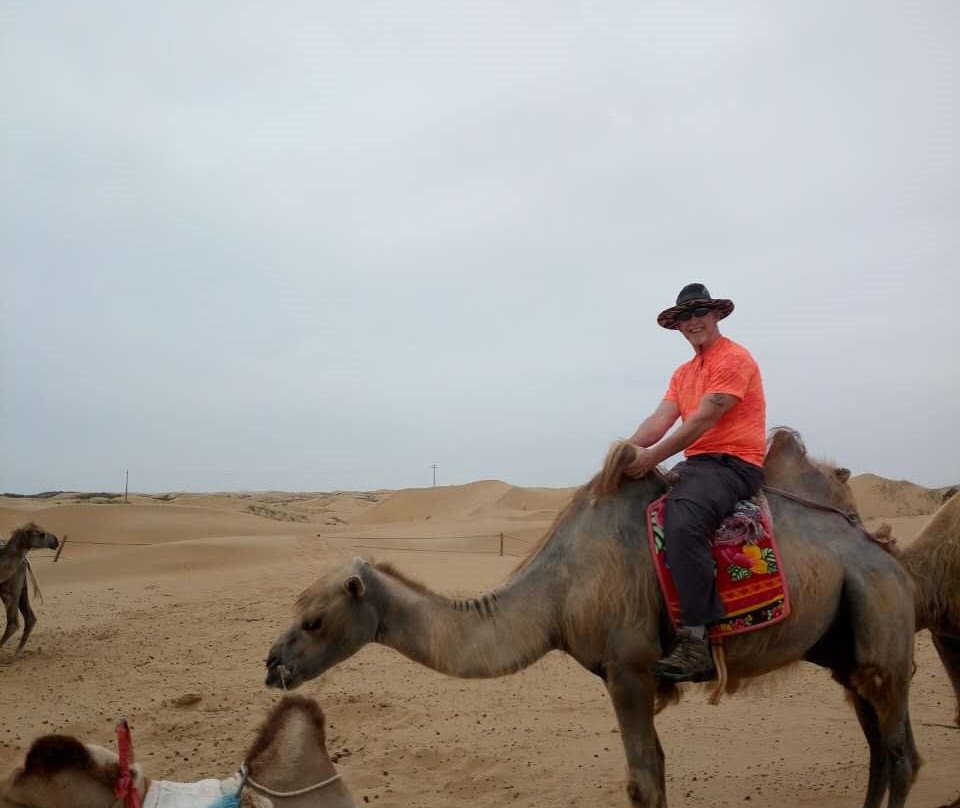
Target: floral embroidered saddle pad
(750, 583)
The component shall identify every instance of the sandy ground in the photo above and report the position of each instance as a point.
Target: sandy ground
(166, 598)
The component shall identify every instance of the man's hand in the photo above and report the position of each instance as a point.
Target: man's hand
(644, 461)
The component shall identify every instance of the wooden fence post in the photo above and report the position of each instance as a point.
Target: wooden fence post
(501, 544)
(60, 548)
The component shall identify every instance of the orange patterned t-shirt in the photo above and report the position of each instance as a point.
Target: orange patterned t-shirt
(725, 367)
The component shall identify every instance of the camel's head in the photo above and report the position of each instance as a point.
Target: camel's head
(61, 772)
(33, 537)
(787, 465)
(336, 617)
(839, 493)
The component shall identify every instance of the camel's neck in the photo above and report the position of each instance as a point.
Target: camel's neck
(11, 557)
(17, 546)
(494, 634)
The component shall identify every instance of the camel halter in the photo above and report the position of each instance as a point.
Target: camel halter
(247, 780)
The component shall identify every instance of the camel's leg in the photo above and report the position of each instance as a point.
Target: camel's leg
(12, 603)
(881, 619)
(949, 649)
(29, 618)
(879, 772)
(913, 755)
(894, 760)
(900, 761)
(632, 691)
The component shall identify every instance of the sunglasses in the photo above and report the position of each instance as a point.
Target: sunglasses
(700, 311)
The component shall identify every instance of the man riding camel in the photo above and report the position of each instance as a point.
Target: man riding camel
(719, 397)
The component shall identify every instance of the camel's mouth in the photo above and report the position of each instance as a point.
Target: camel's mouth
(280, 676)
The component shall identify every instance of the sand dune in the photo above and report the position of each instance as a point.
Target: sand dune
(429, 503)
(143, 524)
(878, 497)
(126, 629)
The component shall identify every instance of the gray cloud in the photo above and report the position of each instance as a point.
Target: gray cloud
(326, 245)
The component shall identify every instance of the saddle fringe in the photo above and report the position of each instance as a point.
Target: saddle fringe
(720, 661)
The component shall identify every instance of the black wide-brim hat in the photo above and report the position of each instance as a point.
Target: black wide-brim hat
(694, 296)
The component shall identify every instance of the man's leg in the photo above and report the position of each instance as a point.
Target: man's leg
(708, 489)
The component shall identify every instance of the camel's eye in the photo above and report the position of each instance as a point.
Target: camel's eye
(312, 624)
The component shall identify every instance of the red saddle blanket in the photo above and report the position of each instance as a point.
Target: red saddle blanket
(749, 575)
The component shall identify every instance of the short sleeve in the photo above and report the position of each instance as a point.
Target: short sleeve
(673, 393)
(732, 376)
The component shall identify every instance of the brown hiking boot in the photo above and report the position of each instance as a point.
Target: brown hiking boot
(689, 661)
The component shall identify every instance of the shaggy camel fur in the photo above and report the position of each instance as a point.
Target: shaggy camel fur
(14, 569)
(933, 559)
(590, 589)
(289, 754)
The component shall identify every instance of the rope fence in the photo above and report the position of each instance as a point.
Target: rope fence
(496, 536)
(500, 551)
(421, 550)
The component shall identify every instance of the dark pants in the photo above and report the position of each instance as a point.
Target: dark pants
(710, 486)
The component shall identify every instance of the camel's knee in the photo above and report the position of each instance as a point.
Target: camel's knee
(885, 692)
(644, 791)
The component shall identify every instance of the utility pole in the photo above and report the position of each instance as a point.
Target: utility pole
(434, 467)
(126, 484)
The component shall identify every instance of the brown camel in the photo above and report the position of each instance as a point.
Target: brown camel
(590, 589)
(14, 569)
(287, 765)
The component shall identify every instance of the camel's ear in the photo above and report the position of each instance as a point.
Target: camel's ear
(842, 474)
(354, 586)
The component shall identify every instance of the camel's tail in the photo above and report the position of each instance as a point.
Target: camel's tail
(33, 580)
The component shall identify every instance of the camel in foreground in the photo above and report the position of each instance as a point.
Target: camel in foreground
(287, 766)
(14, 569)
(590, 589)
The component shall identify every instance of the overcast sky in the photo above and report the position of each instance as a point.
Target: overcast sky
(321, 246)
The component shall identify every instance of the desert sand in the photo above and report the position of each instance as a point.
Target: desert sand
(162, 610)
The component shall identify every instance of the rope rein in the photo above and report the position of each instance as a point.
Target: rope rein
(850, 516)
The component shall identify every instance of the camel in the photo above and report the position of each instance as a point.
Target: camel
(287, 767)
(589, 588)
(14, 569)
(933, 560)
